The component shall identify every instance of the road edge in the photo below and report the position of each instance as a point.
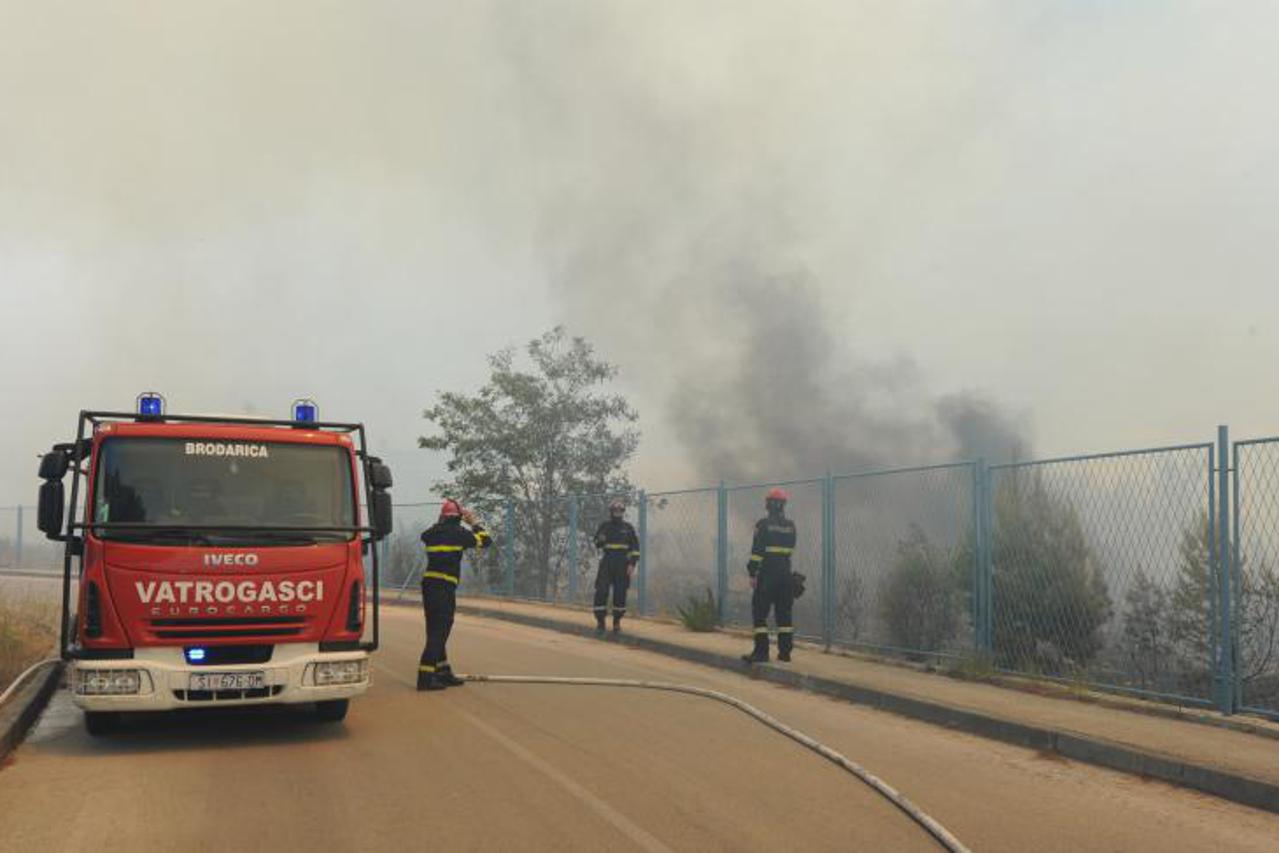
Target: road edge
(24, 707)
(1125, 759)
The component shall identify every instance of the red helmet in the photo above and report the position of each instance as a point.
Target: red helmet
(777, 495)
(450, 509)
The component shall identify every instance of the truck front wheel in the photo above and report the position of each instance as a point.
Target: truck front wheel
(100, 723)
(332, 710)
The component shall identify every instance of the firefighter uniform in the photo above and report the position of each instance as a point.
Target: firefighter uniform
(445, 542)
(770, 567)
(620, 545)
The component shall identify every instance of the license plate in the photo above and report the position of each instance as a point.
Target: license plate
(227, 680)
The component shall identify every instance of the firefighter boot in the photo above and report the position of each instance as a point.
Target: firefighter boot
(599, 623)
(759, 654)
(429, 680)
(617, 623)
(785, 642)
(446, 677)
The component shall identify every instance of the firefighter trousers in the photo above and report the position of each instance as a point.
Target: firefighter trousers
(773, 591)
(439, 601)
(614, 577)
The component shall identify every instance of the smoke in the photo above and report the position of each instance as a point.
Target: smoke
(811, 234)
(689, 182)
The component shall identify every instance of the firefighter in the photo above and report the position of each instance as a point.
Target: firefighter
(621, 551)
(445, 542)
(771, 581)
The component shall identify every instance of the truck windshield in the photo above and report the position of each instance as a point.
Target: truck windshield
(181, 486)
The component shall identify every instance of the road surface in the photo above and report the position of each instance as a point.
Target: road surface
(487, 767)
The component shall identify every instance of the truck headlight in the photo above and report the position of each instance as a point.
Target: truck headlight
(329, 673)
(110, 682)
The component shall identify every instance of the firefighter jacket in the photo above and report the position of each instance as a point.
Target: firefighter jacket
(772, 546)
(617, 539)
(445, 541)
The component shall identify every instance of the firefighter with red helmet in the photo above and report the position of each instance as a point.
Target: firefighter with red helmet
(771, 582)
(445, 542)
(620, 551)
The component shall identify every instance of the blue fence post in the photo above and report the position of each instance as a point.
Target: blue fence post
(721, 551)
(983, 570)
(974, 583)
(17, 540)
(1236, 580)
(508, 552)
(828, 560)
(1224, 554)
(642, 570)
(572, 548)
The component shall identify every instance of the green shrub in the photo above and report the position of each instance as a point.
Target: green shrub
(700, 614)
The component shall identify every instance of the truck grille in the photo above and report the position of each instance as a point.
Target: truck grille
(212, 629)
(227, 695)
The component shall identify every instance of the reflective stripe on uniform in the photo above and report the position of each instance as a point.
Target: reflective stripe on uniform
(756, 558)
(443, 549)
(599, 609)
(439, 576)
(786, 630)
(616, 547)
(481, 535)
(426, 667)
(763, 630)
(777, 549)
(634, 554)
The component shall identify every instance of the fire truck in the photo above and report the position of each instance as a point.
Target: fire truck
(215, 561)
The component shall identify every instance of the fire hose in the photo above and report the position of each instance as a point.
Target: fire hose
(930, 825)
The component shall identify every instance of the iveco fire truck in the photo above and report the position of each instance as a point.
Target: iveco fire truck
(215, 561)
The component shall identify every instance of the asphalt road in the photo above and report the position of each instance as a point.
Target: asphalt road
(520, 767)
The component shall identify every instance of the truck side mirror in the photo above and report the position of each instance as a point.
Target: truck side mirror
(381, 512)
(379, 476)
(51, 507)
(54, 464)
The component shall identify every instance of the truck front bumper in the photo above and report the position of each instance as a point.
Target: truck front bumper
(163, 680)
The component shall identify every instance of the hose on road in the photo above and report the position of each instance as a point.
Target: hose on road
(23, 676)
(930, 825)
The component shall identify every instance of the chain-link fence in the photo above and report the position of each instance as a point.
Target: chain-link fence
(905, 563)
(1255, 575)
(1103, 570)
(680, 554)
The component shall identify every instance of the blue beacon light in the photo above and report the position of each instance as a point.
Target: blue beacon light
(150, 404)
(306, 411)
(195, 655)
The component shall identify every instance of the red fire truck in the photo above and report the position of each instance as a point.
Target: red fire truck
(217, 560)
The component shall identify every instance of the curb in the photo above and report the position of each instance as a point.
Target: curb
(20, 712)
(1125, 759)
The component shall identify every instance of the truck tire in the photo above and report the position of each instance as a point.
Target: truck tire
(332, 710)
(101, 723)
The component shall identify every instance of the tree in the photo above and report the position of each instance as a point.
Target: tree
(919, 602)
(1254, 617)
(1195, 606)
(1147, 634)
(533, 435)
(1050, 595)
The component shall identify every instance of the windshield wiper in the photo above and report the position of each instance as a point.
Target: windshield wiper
(174, 535)
(283, 537)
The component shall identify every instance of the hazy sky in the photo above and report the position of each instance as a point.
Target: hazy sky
(1061, 211)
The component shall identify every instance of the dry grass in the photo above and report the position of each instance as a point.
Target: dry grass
(28, 629)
